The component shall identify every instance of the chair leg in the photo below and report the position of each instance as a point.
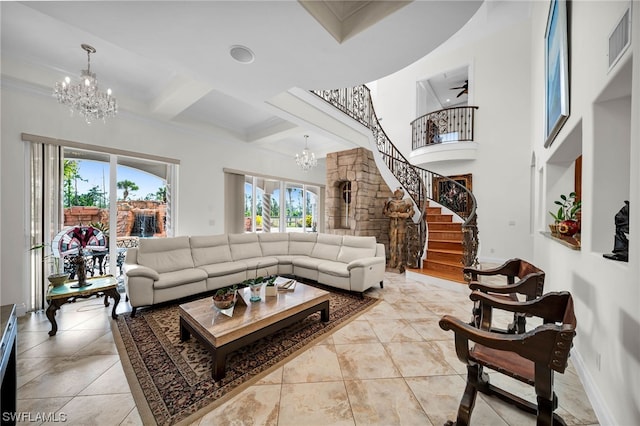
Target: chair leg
(381, 284)
(133, 312)
(545, 396)
(474, 374)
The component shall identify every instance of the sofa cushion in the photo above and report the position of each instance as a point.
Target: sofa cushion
(327, 247)
(356, 248)
(276, 244)
(224, 268)
(307, 262)
(210, 249)
(176, 278)
(165, 254)
(301, 243)
(244, 246)
(257, 265)
(336, 269)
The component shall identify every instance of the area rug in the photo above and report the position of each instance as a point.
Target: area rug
(171, 380)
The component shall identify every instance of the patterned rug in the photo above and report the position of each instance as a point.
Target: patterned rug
(171, 380)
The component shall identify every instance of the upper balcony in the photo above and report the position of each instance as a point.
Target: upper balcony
(444, 135)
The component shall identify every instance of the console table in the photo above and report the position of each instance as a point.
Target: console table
(9, 326)
(99, 286)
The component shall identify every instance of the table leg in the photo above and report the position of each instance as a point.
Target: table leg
(116, 299)
(324, 312)
(54, 305)
(219, 363)
(184, 331)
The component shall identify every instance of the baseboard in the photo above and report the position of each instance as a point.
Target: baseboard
(593, 393)
(495, 260)
(21, 309)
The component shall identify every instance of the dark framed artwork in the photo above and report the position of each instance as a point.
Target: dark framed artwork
(451, 195)
(556, 73)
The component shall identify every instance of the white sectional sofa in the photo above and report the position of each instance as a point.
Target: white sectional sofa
(164, 269)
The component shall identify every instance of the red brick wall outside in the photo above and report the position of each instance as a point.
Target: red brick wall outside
(127, 213)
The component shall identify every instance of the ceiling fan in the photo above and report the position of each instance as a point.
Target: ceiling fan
(464, 87)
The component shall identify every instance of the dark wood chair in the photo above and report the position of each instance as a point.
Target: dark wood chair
(531, 357)
(530, 284)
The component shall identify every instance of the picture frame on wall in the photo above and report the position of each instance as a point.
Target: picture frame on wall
(451, 195)
(556, 76)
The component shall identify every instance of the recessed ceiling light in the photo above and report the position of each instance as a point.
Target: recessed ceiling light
(242, 54)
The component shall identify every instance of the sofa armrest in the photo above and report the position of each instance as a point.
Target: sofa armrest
(135, 270)
(365, 262)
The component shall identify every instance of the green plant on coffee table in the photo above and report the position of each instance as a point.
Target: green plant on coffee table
(569, 208)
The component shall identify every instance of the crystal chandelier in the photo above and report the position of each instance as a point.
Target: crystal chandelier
(307, 159)
(84, 96)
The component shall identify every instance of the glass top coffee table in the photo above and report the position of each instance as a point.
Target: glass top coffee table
(57, 296)
(223, 334)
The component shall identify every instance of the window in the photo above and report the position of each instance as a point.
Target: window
(127, 197)
(272, 205)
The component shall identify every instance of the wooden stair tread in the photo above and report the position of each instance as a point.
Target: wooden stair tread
(446, 251)
(445, 275)
(446, 262)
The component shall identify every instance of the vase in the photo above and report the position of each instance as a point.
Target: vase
(81, 270)
(255, 292)
(568, 227)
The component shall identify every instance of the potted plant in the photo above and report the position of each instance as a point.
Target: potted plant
(270, 287)
(56, 278)
(566, 216)
(255, 284)
(225, 298)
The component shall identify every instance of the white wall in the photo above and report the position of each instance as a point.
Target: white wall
(507, 83)
(500, 74)
(200, 177)
(606, 293)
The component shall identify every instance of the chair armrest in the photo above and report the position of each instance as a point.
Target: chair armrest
(531, 285)
(535, 345)
(509, 268)
(364, 262)
(135, 270)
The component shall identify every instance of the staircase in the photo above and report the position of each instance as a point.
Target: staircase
(445, 248)
(451, 246)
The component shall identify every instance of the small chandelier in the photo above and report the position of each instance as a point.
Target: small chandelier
(84, 96)
(307, 160)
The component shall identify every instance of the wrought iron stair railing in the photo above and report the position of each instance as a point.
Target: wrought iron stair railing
(356, 102)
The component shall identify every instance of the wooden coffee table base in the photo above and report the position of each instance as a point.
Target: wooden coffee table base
(219, 354)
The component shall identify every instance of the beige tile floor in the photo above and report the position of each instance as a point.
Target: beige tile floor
(391, 366)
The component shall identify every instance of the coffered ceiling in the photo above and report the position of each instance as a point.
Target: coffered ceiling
(170, 60)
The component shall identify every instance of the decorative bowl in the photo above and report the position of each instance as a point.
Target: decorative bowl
(226, 301)
(57, 280)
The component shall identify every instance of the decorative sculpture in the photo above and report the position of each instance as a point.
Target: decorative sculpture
(398, 210)
(621, 242)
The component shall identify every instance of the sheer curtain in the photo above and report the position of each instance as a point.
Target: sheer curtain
(45, 213)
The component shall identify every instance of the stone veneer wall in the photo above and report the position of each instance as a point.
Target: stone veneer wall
(369, 193)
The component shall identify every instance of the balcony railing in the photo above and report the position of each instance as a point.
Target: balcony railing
(446, 125)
